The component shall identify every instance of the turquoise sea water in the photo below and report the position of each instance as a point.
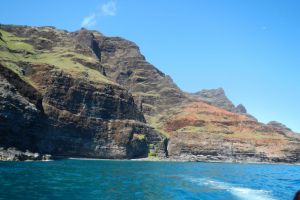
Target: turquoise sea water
(102, 179)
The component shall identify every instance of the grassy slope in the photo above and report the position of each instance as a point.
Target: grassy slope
(15, 49)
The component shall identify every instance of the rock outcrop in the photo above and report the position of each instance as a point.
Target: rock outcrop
(83, 94)
(12, 154)
(279, 126)
(218, 98)
(240, 109)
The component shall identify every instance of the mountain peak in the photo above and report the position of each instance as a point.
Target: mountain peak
(218, 98)
(279, 126)
(241, 108)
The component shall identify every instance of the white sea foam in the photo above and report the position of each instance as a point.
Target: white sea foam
(240, 192)
(75, 158)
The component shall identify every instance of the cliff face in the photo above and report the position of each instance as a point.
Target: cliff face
(200, 132)
(153, 90)
(58, 101)
(19, 113)
(84, 94)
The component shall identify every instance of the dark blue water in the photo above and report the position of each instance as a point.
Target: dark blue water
(97, 179)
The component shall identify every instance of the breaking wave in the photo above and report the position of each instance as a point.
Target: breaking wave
(239, 192)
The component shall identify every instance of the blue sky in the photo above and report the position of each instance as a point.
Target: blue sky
(250, 48)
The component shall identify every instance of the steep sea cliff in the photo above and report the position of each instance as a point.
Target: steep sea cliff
(83, 94)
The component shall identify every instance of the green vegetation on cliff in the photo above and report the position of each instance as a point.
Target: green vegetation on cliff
(14, 50)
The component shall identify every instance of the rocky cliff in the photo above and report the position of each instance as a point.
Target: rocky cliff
(200, 132)
(56, 99)
(84, 94)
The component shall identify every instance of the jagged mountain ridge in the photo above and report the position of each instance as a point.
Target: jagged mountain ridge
(82, 76)
(218, 98)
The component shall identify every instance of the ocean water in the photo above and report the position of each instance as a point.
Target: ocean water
(104, 179)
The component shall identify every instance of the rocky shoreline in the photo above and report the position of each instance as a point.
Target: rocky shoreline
(12, 154)
(244, 161)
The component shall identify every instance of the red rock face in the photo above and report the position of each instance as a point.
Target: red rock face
(201, 132)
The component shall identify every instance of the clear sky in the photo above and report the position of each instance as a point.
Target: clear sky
(251, 48)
